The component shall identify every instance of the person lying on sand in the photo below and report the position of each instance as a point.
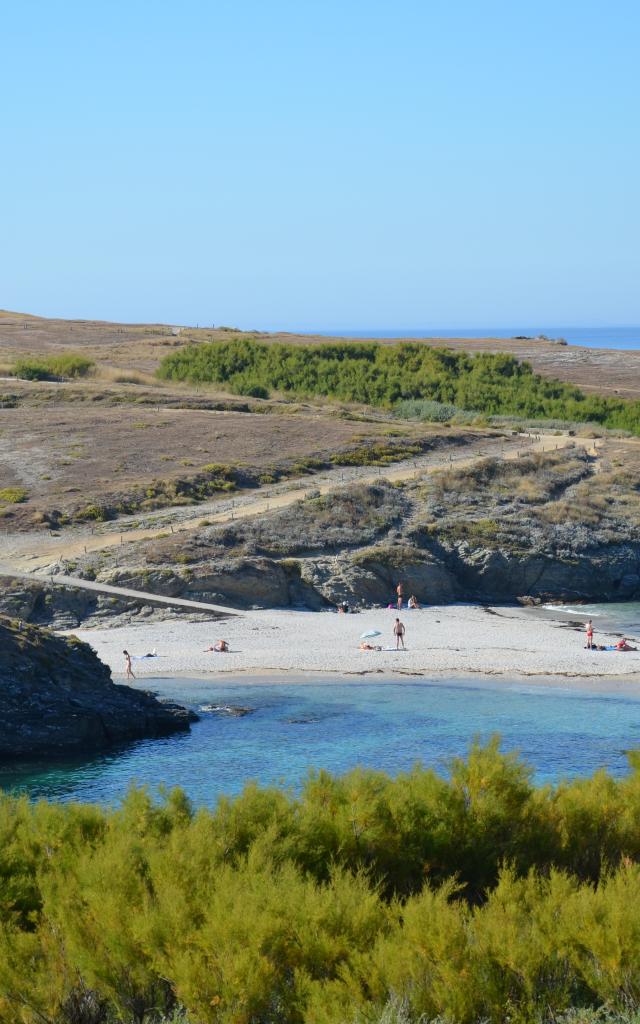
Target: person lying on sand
(364, 646)
(221, 646)
(623, 645)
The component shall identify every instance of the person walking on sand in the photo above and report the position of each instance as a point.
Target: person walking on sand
(398, 632)
(400, 593)
(127, 665)
(589, 644)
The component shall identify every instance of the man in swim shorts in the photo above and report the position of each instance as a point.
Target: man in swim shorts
(398, 632)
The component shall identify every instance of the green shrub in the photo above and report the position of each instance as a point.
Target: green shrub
(388, 375)
(256, 391)
(362, 900)
(71, 364)
(95, 513)
(13, 495)
(376, 454)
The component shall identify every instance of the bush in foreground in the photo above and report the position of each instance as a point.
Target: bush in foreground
(364, 900)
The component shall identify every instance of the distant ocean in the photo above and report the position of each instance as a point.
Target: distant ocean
(591, 337)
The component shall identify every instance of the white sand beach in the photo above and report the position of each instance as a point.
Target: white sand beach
(456, 641)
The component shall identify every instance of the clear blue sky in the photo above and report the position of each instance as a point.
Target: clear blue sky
(322, 163)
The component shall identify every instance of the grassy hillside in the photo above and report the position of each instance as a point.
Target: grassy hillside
(474, 898)
(385, 376)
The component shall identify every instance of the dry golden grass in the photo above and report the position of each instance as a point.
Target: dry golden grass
(117, 375)
(532, 478)
(69, 454)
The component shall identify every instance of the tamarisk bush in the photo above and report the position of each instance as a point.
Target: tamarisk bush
(361, 900)
(399, 377)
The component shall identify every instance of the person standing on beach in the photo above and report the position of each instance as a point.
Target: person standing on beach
(400, 593)
(589, 635)
(398, 632)
(127, 665)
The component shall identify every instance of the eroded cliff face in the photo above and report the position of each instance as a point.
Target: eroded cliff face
(548, 527)
(56, 697)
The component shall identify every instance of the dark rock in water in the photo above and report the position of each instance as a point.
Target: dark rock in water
(227, 709)
(56, 697)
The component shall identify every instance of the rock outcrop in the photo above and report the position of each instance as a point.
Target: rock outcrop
(56, 697)
(547, 526)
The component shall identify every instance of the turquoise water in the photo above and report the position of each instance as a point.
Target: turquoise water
(385, 725)
(622, 617)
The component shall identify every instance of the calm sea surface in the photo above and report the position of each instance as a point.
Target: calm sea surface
(386, 725)
(592, 337)
(622, 617)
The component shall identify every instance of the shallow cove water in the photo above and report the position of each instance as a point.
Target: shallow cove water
(390, 725)
(620, 618)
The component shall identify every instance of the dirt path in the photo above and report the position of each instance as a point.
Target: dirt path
(31, 553)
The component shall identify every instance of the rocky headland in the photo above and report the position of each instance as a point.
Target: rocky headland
(57, 697)
(549, 526)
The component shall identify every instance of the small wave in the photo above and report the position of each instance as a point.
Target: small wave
(571, 610)
(227, 709)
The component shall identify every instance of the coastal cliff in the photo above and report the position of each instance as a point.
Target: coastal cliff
(552, 526)
(57, 697)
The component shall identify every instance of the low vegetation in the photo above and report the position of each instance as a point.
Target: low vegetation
(70, 365)
(211, 479)
(428, 410)
(556, 488)
(378, 454)
(12, 495)
(346, 518)
(477, 897)
(382, 375)
(537, 477)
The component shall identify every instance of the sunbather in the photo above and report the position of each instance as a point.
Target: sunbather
(220, 646)
(623, 645)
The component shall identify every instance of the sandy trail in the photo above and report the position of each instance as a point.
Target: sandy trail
(34, 553)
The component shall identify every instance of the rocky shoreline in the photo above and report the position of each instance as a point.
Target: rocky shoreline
(553, 526)
(57, 698)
